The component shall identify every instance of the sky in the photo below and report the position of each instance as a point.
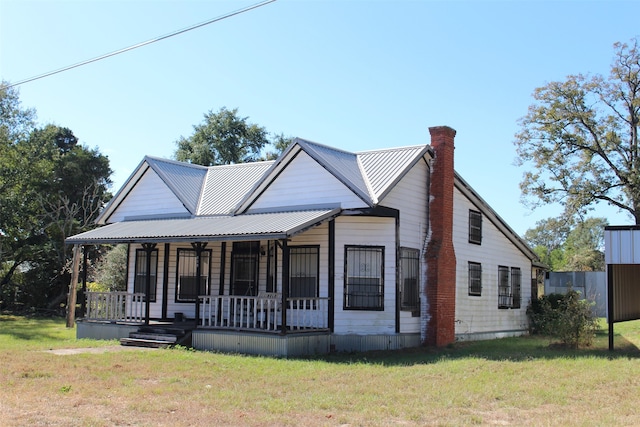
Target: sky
(355, 74)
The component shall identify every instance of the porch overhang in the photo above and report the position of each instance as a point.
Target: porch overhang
(258, 226)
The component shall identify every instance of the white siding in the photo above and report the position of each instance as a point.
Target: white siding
(150, 196)
(410, 197)
(480, 314)
(305, 182)
(370, 231)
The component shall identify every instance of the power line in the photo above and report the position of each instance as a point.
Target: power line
(157, 39)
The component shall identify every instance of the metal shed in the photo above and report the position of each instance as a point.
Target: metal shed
(622, 257)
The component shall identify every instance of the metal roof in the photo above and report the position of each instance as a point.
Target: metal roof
(384, 168)
(225, 186)
(342, 164)
(184, 179)
(278, 225)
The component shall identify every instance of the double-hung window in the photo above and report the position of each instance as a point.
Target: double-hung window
(364, 278)
(475, 279)
(140, 279)
(509, 287)
(186, 289)
(475, 227)
(409, 276)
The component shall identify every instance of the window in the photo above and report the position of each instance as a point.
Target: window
(244, 268)
(186, 290)
(363, 278)
(516, 284)
(475, 278)
(509, 287)
(475, 227)
(140, 279)
(303, 271)
(504, 291)
(409, 276)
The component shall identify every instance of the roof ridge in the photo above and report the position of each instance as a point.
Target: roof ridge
(298, 140)
(403, 148)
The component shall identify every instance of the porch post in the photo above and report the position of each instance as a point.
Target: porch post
(332, 274)
(83, 302)
(198, 247)
(285, 284)
(148, 249)
(71, 298)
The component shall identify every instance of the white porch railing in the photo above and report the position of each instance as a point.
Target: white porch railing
(115, 306)
(263, 313)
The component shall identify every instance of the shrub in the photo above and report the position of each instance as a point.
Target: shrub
(567, 317)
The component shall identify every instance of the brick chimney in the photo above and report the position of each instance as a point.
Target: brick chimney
(440, 255)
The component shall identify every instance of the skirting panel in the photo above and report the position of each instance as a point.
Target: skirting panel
(298, 345)
(261, 344)
(359, 343)
(103, 330)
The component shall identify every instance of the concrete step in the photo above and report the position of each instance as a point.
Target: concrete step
(156, 337)
(137, 342)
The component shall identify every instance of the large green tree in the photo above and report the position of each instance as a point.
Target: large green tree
(581, 139)
(51, 187)
(226, 138)
(567, 246)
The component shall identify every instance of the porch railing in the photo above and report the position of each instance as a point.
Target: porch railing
(263, 313)
(115, 306)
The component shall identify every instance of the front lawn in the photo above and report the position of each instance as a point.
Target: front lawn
(515, 381)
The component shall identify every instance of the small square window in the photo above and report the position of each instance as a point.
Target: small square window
(475, 227)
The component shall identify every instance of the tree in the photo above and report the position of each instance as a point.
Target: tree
(111, 269)
(568, 246)
(581, 136)
(223, 138)
(50, 187)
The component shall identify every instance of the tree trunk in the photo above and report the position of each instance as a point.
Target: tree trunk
(71, 301)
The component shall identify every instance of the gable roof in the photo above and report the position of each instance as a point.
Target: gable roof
(370, 175)
(184, 179)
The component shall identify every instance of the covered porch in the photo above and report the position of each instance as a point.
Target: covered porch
(229, 277)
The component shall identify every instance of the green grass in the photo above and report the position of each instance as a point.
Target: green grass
(514, 381)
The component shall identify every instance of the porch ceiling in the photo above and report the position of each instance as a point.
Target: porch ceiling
(275, 225)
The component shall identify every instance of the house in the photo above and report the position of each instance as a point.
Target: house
(320, 250)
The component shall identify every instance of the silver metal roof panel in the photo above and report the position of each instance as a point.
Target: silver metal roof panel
(225, 186)
(277, 225)
(184, 179)
(384, 168)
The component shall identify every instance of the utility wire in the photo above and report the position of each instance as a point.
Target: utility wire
(157, 39)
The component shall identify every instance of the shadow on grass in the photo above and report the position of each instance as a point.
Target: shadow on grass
(32, 329)
(517, 349)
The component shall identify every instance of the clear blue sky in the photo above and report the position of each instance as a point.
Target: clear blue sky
(354, 74)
